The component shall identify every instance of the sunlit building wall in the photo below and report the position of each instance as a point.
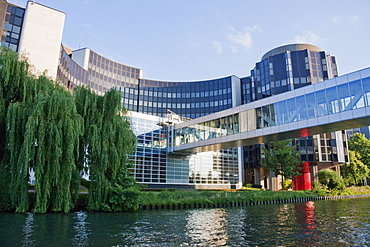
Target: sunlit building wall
(283, 69)
(37, 32)
(41, 37)
(151, 105)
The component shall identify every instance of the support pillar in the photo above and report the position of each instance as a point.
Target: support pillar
(303, 181)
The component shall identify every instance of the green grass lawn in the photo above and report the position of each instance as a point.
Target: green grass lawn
(214, 197)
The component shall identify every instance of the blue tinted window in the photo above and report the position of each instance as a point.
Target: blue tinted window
(344, 97)
(332, 97)
(322, 108)
(311, 105)
(301, 108)
(356, 93)
(366, 85)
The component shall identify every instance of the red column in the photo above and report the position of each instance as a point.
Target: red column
(303, 181)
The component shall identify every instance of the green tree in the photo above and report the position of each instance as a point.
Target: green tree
(13, 75)
(125, 192)
(355, 171)
(361, 145)
(282, 158)
(331, 180)
(59, 136)
(106, 144)
(42, 129)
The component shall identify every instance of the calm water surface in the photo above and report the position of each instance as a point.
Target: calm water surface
(321, 223)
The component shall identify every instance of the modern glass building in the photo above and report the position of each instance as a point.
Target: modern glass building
(283, 69)
(11, 20)
(155, 105)
(158, 102)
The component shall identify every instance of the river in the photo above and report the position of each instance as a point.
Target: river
(343, 222)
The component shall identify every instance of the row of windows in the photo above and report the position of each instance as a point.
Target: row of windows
(150, 92)
(12, 27)
(150, 163)
(182, 106)
(109, 65)
(108, 76)
(199, 86)
(344, 97)
(281, 67)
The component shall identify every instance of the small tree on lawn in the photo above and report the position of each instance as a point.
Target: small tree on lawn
(355, 171)
(361, 145)
(282, 158)
(331, 180)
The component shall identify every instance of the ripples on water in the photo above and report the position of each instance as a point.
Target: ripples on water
(322, 223)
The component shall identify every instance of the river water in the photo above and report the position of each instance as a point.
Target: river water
(322, 223)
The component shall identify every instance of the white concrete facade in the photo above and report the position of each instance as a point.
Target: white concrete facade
(81, 57)
(42, 38)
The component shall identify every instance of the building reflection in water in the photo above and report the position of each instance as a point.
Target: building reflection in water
(207, 226)
(81, 237)
(305, 214)
(310, 215)
(28, 229)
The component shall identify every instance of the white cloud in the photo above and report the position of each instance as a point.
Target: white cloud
(336, 19)
(87, 25)
(193, 44)
(308, 37)
(355, 18)
(82, 2)
(234, 48)
(241, 39)
(217, 45)
(340, 19)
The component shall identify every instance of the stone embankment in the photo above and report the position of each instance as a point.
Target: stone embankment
(240, 204)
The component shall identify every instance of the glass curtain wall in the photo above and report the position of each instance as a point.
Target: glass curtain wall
(344, 97)
(12, 26)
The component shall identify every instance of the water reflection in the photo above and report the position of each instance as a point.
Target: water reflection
(305, 214)
(28, 230)
(320, 223)
(310, 215)
(206, 227)
(81, 237)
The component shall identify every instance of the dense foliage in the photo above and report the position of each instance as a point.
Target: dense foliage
(282, 158)
(46, 130)
(355, 172)
(107, 137)
(360, 144)
(331, 180)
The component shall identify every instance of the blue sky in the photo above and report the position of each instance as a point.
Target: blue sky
(189, 40)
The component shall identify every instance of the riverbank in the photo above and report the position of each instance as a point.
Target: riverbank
(177, 199)
(200, 199)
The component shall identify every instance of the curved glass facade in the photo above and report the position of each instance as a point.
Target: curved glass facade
(289, 70)
(156, 106)
(343, 97)
(70, 73)
(146, 99)
(187, 99)
(282, 69)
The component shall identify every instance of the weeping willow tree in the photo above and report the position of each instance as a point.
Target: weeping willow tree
(52, 135)
(13, 76)
(42, 130)
(47, 130)
(105, 146)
